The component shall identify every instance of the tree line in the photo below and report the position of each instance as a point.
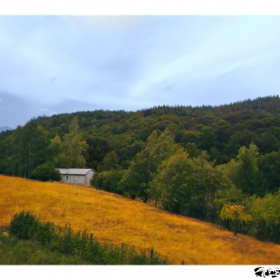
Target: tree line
(218, 164)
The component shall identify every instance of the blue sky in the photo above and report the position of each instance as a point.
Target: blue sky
(134, 62)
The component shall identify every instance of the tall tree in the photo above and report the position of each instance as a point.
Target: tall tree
(72, 148)
(28, 149)
(135, 180)
(144, 166)
(170, 185)
(205, 180)
(246, 175)
(266, 216)
(269, 165)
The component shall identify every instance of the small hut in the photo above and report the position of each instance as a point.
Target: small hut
(80, 176)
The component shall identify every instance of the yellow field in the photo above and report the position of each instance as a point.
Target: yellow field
(114, 218)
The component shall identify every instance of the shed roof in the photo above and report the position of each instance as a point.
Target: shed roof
(74, 171)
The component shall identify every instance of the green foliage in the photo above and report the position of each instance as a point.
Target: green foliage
(80, 245)
(246, 175)
(237, 214)
(266, 217)
(192, 149)
(135, 180)
(269, 166)
(170, 185)
(46, 172)
(98, 148)
(205, 180)
(55, 146)
(144, 166)
(15, 252)
(227, 193)
(27, 148)
(24, 225)
(71, 148)
(109, 162)
(129, 148)
(109, 180)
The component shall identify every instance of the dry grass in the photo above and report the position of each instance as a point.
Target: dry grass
(115, 218)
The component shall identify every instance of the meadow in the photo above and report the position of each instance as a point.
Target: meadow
(114, 218)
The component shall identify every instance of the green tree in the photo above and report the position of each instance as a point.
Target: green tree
(135, 181)
(170, 185)
(28, 149)
(205, 180)
(72, 148)
(46, 172)
(266, 217)
(54, 146)
(227, 192)
(246, 175)
(269, 165)
(98, 147)
(109, 180)
(192, 149)
(237, 214)
(109, 162)
(144, 166)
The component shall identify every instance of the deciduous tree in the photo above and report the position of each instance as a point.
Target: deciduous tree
(72, 148)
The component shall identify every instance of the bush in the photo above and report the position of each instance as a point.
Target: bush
(24, 225)
(46, 172)
(108, 181)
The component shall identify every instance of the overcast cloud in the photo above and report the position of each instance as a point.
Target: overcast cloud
(135, 62)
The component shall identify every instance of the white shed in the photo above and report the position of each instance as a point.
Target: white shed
(80, 176)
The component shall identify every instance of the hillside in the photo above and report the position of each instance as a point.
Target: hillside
(209, 163)
(111, 217)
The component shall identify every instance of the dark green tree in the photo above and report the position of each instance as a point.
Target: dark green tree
(109, 162)
(269, 166)
(246, 175)
(135, 181)
(46, 172)
(109, 180)
(144, 166)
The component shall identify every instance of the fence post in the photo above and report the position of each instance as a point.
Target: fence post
(182, 262)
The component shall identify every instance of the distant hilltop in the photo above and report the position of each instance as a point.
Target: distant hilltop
(5, 128)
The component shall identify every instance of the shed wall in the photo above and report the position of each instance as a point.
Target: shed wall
(78, 179)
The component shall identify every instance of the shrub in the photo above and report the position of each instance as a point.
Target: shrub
(24, 225)
(46, 172)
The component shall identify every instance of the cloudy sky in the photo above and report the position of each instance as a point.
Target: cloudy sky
(55, 64)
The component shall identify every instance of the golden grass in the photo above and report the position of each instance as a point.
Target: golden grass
(114, 218)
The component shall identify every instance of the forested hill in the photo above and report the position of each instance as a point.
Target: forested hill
(220, 130)
(220, 164)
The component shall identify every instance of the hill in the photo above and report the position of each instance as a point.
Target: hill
(111, 217)
(219, 130)
(5, 128)
(217, 164)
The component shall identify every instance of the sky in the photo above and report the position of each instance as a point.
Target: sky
(53, 64)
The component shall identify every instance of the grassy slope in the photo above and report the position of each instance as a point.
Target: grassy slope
(115, 218)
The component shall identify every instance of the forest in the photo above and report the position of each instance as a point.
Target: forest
(219, 164)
